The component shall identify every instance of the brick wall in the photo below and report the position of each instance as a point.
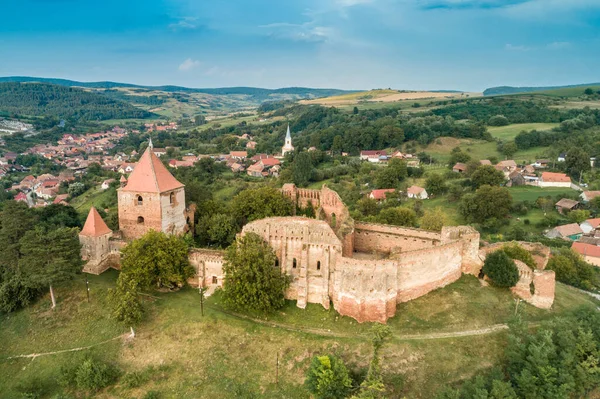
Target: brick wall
(370, 237)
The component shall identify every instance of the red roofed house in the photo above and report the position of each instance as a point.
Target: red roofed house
(459, 167)
(21, 197)
(590, 225)
(152, 199)
(61, 199)
(587, 196)
(373, 155)
(239, 155)
(416, 192)
(379, 195)
(550, 179)
(590, 253)
(570, 231)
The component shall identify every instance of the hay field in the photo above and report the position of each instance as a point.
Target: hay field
(384, 96)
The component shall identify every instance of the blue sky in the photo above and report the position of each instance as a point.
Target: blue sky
(351, 44)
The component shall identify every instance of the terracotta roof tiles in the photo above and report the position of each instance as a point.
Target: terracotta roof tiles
(94, 225)
(151, 176)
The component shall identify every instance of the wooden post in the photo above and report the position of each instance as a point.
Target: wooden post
(277, 370)
(87, 288)
(202, 290)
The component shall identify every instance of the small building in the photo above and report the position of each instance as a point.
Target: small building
(566, 205)
(237, 167)
(106, 184)
(380, 194)
(159, 152)
(61, 199)
(562, 157)
(570, 231)
(239, 155)
(459, 167)
(417, 192)
(589, 252)
(374, 156)
(590, 225)
(550, 179)
(541, 163)
(587, 196)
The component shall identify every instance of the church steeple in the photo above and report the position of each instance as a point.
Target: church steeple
(150, 145)
(287, 146)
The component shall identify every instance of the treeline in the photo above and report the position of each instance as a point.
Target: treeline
(516, 111)
(64, 102)
(142, 99)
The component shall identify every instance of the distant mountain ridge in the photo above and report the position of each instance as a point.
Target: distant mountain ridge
(304, 92)
(495, 91)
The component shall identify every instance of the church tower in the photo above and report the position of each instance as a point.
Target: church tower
(151, 199)
(287, 146)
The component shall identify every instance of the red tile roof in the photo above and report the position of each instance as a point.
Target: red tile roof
(586, 249)
(269, 161)
(380, 194)
(594, 222)
(151, 176)
(94, 225)
(551, 177)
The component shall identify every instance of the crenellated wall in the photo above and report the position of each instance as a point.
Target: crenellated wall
(371, 237)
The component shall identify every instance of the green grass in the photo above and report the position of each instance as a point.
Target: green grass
(92, 197)
(531, 193)
(506, 133)
(186, 355)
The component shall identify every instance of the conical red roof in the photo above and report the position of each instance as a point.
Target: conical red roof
(151, 176)
(94, 225)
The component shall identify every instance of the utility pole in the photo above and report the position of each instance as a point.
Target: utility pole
(87, 288)
(277, 370)
(517, 305)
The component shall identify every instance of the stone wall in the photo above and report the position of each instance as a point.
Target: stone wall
(370, 237)
(129, 212)
(209, 267)
(173, 214)
(100, 253)
(541, 282)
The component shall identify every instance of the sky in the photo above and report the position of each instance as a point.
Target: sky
(348, 44)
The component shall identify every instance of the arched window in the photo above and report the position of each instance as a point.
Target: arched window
(215, 280)
(333, 220)
(140, 200)
(294, 263)
(172, 198)
(318, 265)
(140, 220)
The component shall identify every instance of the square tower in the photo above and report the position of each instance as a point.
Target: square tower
(151, 199)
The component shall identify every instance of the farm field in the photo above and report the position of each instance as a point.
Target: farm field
(183, 354)
(531, 193)
(384, 96)
(511, 131)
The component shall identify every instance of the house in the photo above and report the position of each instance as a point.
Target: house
(159, 152)
(256, 170)
(566, 205)
(506, 167)
(106, 184)
(516, 178)
(550, 179)
(61, 199)
(21, 197)
(590, 253)
(237, 167)
(562, 157)
(379, 195)
(459, 167)
(264, 168)
(587, 196)
(126, 168)
(175, 163)
(541, 163)
(570, 231)
(416, 192)
(590, 225)
(374, 156)
(239, 155)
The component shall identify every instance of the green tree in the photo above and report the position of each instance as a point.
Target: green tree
(578, 215)
(328, 378)
(15, 220)
(487, 175)
(156, 260)
(509, 149)
(259, 203)
(337, 145)
(577, 161)
(217, 229)
(485, 204)
(367, 206)
(125, 301)
(398, 216)
(498, 120)
(302, 169)
(589, 91)
(433, 219)
(501, 269)
(436, 184)
(76, 189)
(372, 387)
(50, 257)
(570, 268)
(390, 176)
(252, 282)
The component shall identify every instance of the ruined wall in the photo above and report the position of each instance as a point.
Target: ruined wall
(130, 210)
(365, 290)
(469, 237)
(541, 282)
(370, 237)
(209, 267)
(173, 214)
(422, 271)
(100, 253)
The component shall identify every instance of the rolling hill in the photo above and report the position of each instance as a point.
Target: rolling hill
(501, 90)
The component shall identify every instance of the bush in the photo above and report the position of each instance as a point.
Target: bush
(501, 269)
(152, 395)
(328, 378)
(498, 120)
(90, 375)
(515, 251)
(570, 268)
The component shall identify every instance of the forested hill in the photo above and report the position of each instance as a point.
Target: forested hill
(500, 90)
(257, 93)
(63, 102)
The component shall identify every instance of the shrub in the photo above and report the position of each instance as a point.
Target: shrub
(515, 251)
(328, 378)
(501, 269)
(90, 375)
(152, 395)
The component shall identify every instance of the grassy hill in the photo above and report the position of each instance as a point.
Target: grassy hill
(179, 353)
(509, 132)
(383, 96)
(41, 99)
(501, 90)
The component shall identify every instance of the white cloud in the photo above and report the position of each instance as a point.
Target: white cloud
(306, 32)
(189, 64)
(185, 23)
(558, 45)
(512, 47)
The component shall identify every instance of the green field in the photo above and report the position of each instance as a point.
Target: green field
(509, 132)
(223, 355)
(531, 193)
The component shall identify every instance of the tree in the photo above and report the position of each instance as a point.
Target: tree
(577, 161)
(76, 189)
(372, 387)
(302, 169)
(355, 110)
(392, 175)
(259, 203)
(16, 219)
(58, 215)
(487, 174)
(328, 378)
(50, 257)
(337, 145)
(252, 282)
(570, 268)
(398, 216)
(485, 204)
(498, 120)
(217, 229)
(578, 215)
(501, 269)
(433, 220)
(367, 206)
(125, 301)
(589, 91)
(509, 149)
(156, 260)
(436, 184)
